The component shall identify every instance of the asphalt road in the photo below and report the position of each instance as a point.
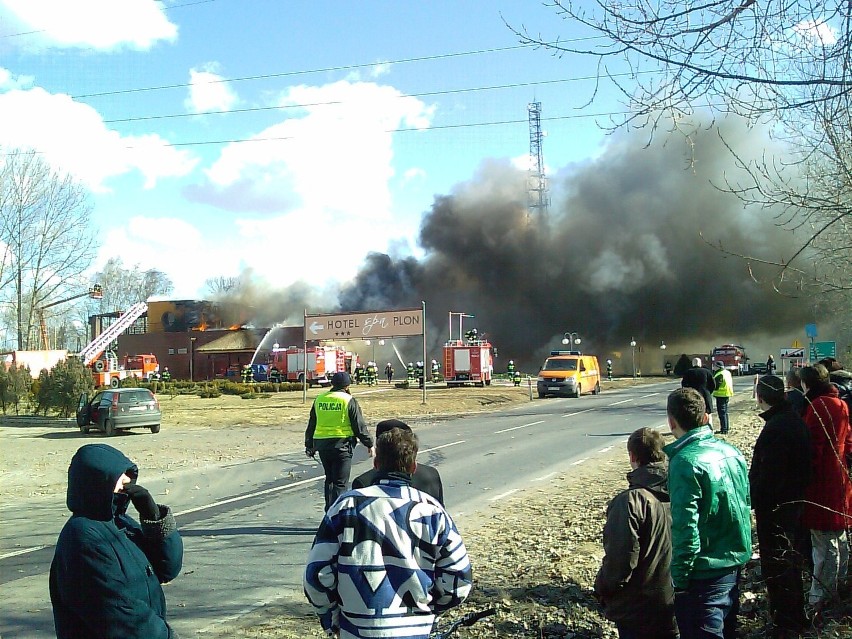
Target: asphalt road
(247, 527)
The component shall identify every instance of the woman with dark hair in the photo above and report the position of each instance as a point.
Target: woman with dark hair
(828, 498)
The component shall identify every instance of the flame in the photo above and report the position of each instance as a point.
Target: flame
(200, 327)
(234, 327)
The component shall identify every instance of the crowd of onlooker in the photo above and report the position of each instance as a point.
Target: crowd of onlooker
(677, 539)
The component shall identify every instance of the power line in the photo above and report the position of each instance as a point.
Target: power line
(423, 94)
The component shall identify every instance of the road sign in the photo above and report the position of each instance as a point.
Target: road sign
(792, 353)
(821, 350)
(372, 325)
(811, 330)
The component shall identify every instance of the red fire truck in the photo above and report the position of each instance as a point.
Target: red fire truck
(732, 356)
(468, 361)
(323, 362)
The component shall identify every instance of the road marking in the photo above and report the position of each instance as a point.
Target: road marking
(579, 412)
(502, 495)
(232, 500)
(239, 613)
(427, 450)
(623, 401)
(22, 551)
(506, 430)
(651, 395)
(605, 450)
(547, 476)
(579, 461)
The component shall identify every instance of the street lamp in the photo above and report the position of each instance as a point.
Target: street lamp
(633, 350)
(371, 342)
(571, 338)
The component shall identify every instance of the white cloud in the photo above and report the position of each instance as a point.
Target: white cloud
(171, 245)
(73, 138)
(415, 173)
(9, 81)
(336, 159)
(99, 24)
(816, 32)
(208, 91)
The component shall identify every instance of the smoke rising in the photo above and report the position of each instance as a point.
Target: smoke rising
(620, 255)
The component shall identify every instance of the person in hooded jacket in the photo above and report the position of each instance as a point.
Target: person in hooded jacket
(634, 581)
(107, 568)
(779, 474)
(828, 498)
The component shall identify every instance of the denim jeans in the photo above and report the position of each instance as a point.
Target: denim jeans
(337, 463)
(831, 563)
(708, 608)
(722, 410)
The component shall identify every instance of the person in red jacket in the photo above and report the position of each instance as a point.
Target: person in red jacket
(828, 498)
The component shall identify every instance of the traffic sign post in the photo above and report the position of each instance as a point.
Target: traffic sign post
(821, 350)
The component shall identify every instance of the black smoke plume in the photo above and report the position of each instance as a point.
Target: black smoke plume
(623, 253)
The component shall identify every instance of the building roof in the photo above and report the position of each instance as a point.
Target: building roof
(234, 341)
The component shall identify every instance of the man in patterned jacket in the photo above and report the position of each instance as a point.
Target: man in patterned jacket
(386, 558)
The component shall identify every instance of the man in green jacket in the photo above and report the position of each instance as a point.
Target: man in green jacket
(711, 520)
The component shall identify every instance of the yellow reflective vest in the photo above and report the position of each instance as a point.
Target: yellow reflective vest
(332, 412)
(724, 383)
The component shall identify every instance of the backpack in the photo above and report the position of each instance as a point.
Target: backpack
(843, 384)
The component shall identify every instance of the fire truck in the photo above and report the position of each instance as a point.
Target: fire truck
(468, 361)
(323, 362)
(142, 366)
(106, 370)
(732, 356)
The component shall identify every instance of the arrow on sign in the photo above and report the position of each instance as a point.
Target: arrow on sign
(315, 327)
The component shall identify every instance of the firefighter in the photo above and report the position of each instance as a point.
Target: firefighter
(389, 372)
(359, 373)
(421, 374)
(668, 368)
(409, 372)
(372, 374)
(166, 376)
(472, 335)
(247, 374)
(609, 369)
(436, 371)
(516, 377)
(274, 375)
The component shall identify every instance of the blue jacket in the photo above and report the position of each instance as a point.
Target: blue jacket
(106, 573)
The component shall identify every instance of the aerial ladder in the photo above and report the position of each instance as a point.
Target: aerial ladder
(97, 346)
(96, 293)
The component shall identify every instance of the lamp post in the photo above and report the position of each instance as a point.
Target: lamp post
(373, 343)
(663, 350)
(192, 358)
(633, 351)
(571, 338)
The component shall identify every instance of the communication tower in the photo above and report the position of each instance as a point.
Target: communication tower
(537, 189)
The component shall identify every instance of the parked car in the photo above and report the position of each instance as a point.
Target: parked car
(757, 368)
(118, 409)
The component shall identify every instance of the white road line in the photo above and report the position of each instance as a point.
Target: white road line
(502, 495)
(605, 450)
(506, 430)
(238, 614)
(232, 500)
(579, 412)
(427, 450)
(579, 461)
(543, 477)
(623, 401)
(22, 551)
(651, 395)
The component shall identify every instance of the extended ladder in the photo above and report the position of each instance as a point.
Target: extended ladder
(97, 346)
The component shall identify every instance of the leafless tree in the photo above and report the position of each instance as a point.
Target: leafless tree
(123, 287)
(221, 285)
(45, 234)
(784, 64)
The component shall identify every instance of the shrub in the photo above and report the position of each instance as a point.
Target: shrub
(66, 382)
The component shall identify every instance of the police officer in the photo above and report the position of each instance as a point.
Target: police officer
(335, 427)
(389, 372)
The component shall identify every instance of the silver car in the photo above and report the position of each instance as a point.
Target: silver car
(119, 409)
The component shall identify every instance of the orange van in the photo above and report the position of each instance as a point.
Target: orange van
(569, 373)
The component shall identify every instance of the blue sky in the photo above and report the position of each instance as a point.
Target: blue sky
(291, 137)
